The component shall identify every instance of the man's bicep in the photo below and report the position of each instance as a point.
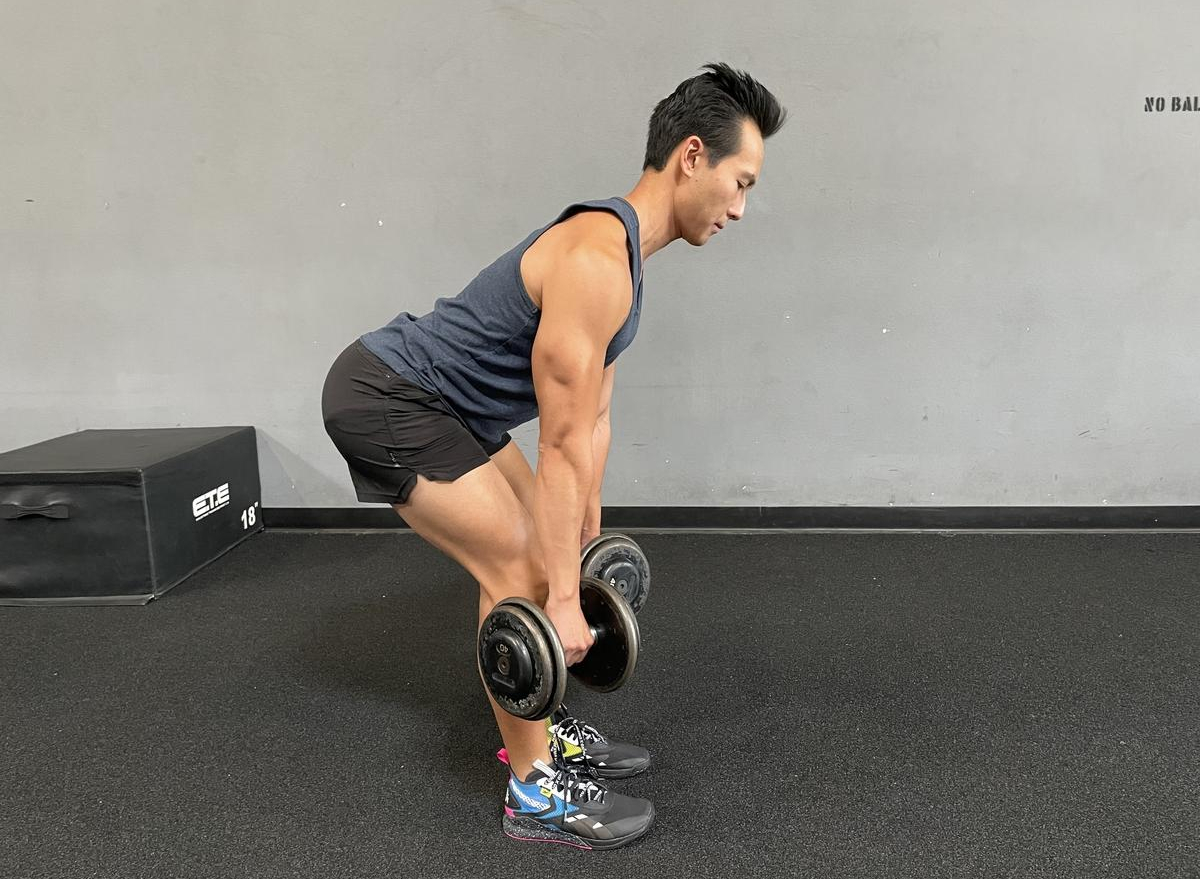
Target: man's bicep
(567, 374)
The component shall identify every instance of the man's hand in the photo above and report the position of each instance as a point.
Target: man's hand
(568, 621)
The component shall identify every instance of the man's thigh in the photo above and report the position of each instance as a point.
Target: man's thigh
(512, 463)
(478, 521)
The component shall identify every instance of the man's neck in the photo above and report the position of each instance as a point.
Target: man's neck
(651, 199)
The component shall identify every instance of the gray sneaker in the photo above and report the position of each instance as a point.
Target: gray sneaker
(558, 804)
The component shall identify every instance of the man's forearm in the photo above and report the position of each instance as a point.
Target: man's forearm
(561, 487)
(601, 438)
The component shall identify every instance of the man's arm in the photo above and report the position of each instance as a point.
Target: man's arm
(601, 439)
(585, 299)
(606, 388)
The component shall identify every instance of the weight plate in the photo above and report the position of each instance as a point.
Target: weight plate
(520, 659)
(592, 550)
(620, 562)
(613, 657)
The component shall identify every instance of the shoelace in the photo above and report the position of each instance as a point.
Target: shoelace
(581, 731)
(566, 780)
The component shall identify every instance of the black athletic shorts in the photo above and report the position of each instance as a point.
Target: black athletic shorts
(389, 429)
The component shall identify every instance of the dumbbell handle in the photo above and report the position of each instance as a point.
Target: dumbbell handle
(596, 632)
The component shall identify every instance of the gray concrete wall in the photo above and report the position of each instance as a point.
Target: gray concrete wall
(967, 276)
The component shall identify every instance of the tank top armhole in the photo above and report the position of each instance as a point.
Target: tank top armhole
(567, 213)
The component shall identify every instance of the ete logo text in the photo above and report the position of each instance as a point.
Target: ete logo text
(209, 503)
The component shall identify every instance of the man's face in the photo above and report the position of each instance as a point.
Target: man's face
(714, 196)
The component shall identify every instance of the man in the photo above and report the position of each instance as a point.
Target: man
(420, 409)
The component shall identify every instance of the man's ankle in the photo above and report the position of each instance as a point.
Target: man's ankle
(521, 768)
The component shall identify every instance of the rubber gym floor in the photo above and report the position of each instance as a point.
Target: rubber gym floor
(818, 704)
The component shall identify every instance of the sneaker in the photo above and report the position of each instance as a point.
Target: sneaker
(557, 804)
(585, 748)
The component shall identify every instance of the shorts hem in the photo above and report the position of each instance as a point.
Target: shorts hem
(370, 497)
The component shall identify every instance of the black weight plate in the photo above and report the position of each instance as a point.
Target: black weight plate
(520, 659)
(595, 543)
(620, 562)
(613, 657)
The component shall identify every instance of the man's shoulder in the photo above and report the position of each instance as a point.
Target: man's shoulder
(595, 237)
(589, 247)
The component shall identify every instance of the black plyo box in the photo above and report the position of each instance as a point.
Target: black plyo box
(121, 516)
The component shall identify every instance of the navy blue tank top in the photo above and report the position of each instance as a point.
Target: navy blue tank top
(476, 349)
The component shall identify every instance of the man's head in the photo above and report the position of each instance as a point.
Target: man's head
(709, 135)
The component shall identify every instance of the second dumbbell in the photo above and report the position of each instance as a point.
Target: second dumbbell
(521, 659)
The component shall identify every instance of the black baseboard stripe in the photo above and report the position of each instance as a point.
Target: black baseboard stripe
(887, 518)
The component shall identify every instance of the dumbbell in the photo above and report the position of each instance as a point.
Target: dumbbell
(618, 561)
(521, 657)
